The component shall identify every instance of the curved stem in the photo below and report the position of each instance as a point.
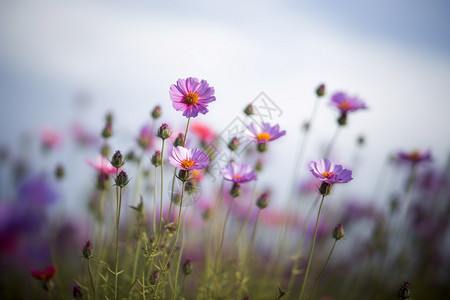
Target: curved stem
(323, 270)
(312, 249)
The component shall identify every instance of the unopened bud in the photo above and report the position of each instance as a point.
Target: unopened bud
(59, 172)
(109, 118)
(77, 292)
(156, 158)
(320, 91)
(258, 165)
(282, 292)
(107, 131)
(190, 187)
(117, 160)
(164, 131)
(179, 140)
(102, 181)
(233, 144)
(154, 277)
(361, 140)
(122, 179)
(405, 291)
(249, 110)
(88, 251)
(338, 232)
(263, 200)
(235, 190)
(261, 147)
(156, 112)
(187, 267)
(184, 175)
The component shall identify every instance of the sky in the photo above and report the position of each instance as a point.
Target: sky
(394, 55)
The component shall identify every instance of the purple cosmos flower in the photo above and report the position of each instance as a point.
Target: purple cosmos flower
(329, 172)
(238, 173)
(191, 96)
(414, 156)
(345, 103)
(265, 134)
(189, 159)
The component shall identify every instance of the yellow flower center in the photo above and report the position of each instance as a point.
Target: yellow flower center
(237, 176)
(191, 98)
(187, 163)
(344, 105)
(415, 155)
(327, 175)
(263, 136)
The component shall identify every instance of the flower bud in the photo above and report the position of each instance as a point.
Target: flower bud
(282, 292)
(164, 131)
(156, 112)
(105, 150)
(122, 179)
(130, 156)
(184, 175)
(59, 172)
(361, 140)
(405, 291)
(235, 190)
(325, 188)
(117, 160)
(179, 140)
(258, 165)
(154, 277)
(187, 267)
(171, 228)
(156, 158)
(190, 187)
(233, 144)
(102, 181)
(249, 110)
(342, 120)
(320, 91)
(109, 118)
(206, 214)
(338, 232)
(306, 126)
(88, 251)
(263, 200)
(77, 292)
(107, 131)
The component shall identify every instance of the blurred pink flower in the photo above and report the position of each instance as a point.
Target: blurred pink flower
(238, 173)
(414, 156)
(103, 165)
(345, 103)
(50, 139)
(205, 132)
(46, 274)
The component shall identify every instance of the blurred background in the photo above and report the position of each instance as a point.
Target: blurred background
(64, 65)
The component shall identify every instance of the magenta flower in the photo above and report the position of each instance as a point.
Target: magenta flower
(145, 138)
(329, 172)
(189, 159)
(238, 173)
(45, 275)
(266, 134)
(191, 96)
(103, 165)
(345, 103)
(50, 139)
(414, 156)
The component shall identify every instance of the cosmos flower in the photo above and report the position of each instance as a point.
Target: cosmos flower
(50, 139)
(45, 275)
(238, 173)
(103, 165)
(145, 138)
(266, 134)
(345, 103)
(203, 131)
(191, 96)
(189, 159)
(414, 156)
(329, 172)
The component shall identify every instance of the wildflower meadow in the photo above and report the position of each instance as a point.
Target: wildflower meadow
(181, 214)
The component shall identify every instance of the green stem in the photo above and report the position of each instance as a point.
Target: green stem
(219, 253)
(181, 253)
(312, 249)
(186, 131)
(162, 187)
(254, 230)
(90, 276)
(119, 203)
(323, 270)
(154, 203)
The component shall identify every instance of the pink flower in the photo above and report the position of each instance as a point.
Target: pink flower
(238, 173)
(45, 275)
(329, 172)
(191, 96)
(103, 165)
(345, 103)
(145, 137)
(205, 132)
(265, 134)
(189, 159)
(414, 156)
(50, 138)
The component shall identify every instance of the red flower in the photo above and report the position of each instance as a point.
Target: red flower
(46, 274)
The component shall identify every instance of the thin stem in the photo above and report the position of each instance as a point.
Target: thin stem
(219, 253)
(162, 186)
(332, 142)
(323, 270)
(154, 203)
(181, 253)
(186, 132)
(254, 230)
(119, 203)
(90, 276)
(247, 216)
(312, 249)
